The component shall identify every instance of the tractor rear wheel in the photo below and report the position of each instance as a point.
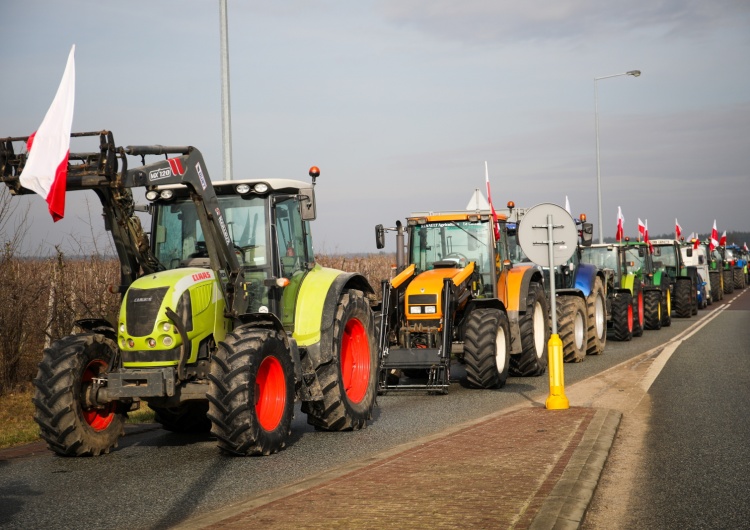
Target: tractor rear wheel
(638, 309)
(251, 392)
(652, 306)
(739, 278)
(487, 348)
(571, 327)
(597, 320)
(189, 417)
(534, 328)
(683, 302)
(622, 316)
(349, 380)
(728, 281)
(70, 425)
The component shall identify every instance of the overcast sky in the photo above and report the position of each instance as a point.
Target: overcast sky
(400, 102)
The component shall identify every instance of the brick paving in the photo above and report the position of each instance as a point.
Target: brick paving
(493, 474)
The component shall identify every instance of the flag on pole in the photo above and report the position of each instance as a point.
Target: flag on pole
(723, 239)
(646, 239)
(567, 206)
(46, 169)
(489, 199)
(744, 247)
(620, 234)
(677, 230)
(714, 241)
(696, 243)
(641, 230)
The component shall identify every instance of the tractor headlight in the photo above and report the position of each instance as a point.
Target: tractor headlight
(151, 342)
(166, 194)
(260, 187)
(242, 188)
(167, 341)
(166, 326)
(415, 310)
(430, 309)
(122, 327)
(152, 195)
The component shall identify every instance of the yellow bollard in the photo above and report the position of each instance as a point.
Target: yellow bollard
(556, 399)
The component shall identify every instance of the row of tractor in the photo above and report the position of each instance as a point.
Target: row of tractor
(226, 318)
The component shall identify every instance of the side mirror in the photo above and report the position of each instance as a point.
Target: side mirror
(587, 234)
(307, 204)
(379, 236)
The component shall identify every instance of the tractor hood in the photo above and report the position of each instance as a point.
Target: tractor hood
(424, 292)
(147, 335)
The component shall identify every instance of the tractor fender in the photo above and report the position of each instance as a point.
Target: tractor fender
(517, 286)
(485, 303)
(316, 308)
(571, 292)
(586, 277)
(95, 325)
(627, 282)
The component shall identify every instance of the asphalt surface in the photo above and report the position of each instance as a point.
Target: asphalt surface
(160, 480)
(696, 464)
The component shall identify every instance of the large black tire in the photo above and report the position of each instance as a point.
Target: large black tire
(68, 425)
(622, 316)
(739, 278)
(572, 328)
(349, 380)
(666, 303)
(683, 300)
(728, 281)
(652, 307)
(638, 309)
(717, 293)
(596, 303)
(534, 329)
(189, 417)
(487, 348)
(251, 392)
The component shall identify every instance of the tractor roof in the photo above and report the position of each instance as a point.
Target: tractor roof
(664, 242)
(459, 215)
(223, 187)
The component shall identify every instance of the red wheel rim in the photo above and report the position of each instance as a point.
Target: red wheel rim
(630, 318)
(98, 419)
(355, 361)
(270, 393)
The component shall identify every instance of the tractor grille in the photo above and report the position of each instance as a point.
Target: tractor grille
(142, 306)
(423, 299)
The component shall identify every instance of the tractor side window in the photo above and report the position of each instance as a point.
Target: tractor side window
(290, 237)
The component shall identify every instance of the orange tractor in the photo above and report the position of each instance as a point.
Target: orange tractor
(457, 295)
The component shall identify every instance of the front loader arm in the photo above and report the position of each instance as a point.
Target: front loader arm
(190, 169)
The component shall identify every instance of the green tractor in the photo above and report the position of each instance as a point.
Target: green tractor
(225, 320)
(629, 272)
(680, 280)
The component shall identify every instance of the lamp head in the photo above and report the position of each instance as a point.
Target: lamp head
(634, 73)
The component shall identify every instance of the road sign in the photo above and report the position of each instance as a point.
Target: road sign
(533, 238)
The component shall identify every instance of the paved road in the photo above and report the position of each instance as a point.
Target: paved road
(680, 460)
(157, 479)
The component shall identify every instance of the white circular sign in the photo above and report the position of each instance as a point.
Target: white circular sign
(533, 238)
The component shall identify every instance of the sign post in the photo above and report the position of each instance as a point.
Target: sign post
(550, 245)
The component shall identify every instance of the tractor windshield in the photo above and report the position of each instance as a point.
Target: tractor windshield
(666, 254)
(635, 259)
(179, 239)
(458, 241)
(602, 257)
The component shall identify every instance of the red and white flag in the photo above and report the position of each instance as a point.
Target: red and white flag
(696, 243)
(744, 247)
(489, 200)
(714, 241)
(641, 230)
(646, 239)
(677, 230)
(723, 239)
(620, 234)
(46, 169)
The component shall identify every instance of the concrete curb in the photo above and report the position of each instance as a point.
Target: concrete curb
(566, 504)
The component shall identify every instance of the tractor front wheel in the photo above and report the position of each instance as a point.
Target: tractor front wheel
(666, 305)
(638, 309)
(251, 392)
(597, 320)
(652, 306)
(622, 316)
(571, 327)
(683, 298)
(70, 424)
(487, 348)
(728, 281)
(349, 380)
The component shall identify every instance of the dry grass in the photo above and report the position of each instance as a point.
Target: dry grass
(17, 418)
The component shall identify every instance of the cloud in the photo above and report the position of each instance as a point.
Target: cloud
(487, 21)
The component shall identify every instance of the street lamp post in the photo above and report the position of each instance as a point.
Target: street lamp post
(634, 73)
